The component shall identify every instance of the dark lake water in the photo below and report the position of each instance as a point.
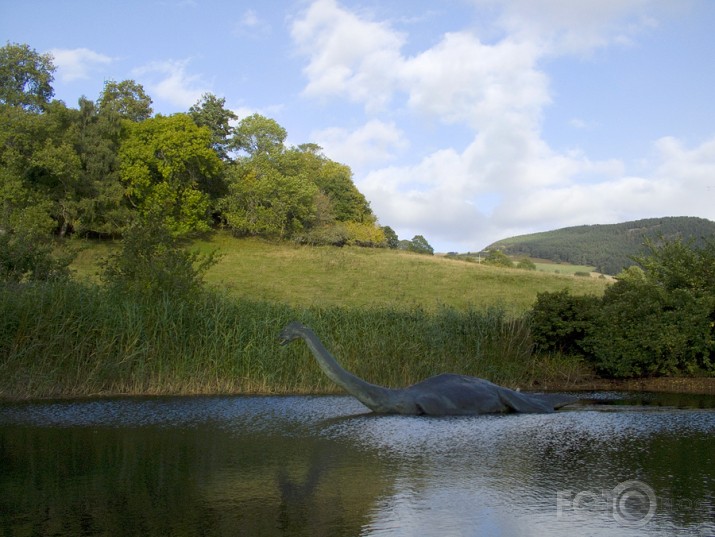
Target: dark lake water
(621, 464)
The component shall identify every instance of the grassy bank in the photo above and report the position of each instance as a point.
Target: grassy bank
(75, 339)
(394, 318)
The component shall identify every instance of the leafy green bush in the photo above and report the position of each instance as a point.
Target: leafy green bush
(644, 330)
(365, 234)
(327, 235)
(526, 264)
(26, 247)
(498, 258)
(560, 321)
(660, 320)
(151, 263)
(344, 233)
(24, 258)
(655, 320)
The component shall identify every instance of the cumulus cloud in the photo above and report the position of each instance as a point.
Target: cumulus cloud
(506, 177)
(372, 143)
(459, 79)
(78, 63)
(677, 182)
(347, 55)
(170, 81)
(463, 80)
(686, 175)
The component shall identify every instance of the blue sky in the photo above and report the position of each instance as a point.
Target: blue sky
(465, 121)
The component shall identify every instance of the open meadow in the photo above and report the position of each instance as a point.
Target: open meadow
(353, 277)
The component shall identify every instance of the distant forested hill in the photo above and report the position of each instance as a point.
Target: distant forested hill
(608, 247)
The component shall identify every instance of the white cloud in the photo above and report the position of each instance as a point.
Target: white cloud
(78, 63)
(249, 18)
(507, 177)
(677, 183)
(270, 111)
(458, 80)
(463, 80)
(447, 190)
(251, 24)
(567, 27)
(581, 124)
(347, 55)
(168, 80)
(687, 175)
(432, 195)
(374, 142)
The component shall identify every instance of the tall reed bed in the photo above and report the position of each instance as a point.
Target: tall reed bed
(72, 339)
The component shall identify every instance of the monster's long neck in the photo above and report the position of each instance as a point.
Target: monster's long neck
(376, 398)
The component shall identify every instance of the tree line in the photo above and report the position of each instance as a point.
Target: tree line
(95, 169)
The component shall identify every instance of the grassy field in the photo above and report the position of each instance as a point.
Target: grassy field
(546, 265)
(354, 277)
(559, 268)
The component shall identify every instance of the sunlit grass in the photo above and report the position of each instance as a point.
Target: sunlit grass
(354, 277)
(564, 268)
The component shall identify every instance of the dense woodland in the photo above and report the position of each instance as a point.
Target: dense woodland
(609, 248)
(96, 169)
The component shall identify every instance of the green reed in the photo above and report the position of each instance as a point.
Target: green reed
(73, 339)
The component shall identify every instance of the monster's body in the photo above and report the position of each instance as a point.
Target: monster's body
(442, 395)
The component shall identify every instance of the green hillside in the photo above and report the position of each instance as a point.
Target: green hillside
(353, 277)
(608, 247)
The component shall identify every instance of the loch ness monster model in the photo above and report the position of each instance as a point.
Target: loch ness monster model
(442, 395)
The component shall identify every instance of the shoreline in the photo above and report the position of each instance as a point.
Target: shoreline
(696, 386)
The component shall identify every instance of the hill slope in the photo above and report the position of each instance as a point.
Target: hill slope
(353, 277)
(608, 247)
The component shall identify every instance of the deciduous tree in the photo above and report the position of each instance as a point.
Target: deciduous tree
(26, 77)
(266, 202)
(259, 135)
(420, 245)
(127, 99)
(166, 163)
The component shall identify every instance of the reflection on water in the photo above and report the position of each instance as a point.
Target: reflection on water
(621, 464)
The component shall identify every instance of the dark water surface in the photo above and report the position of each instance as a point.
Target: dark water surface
(621, 464)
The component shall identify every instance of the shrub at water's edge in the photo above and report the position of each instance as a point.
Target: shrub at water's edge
(658, 319)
